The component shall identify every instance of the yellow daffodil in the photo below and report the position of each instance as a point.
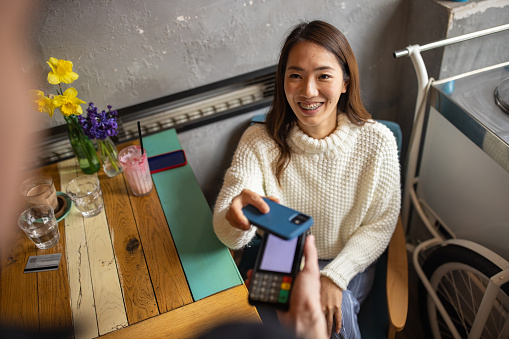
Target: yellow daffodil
(44, 104)
(69, 103)
(61, 71)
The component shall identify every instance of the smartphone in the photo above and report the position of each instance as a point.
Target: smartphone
(166, 161)
(277, 265)
(284, 222)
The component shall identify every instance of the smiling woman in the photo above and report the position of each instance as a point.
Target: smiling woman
(313, 85)
(329, 43)
(319, 153)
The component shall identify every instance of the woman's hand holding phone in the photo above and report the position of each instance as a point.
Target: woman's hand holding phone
(236, 217)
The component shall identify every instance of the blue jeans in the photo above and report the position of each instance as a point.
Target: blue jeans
(353, 297)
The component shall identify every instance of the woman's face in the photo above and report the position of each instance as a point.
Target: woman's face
(313, 85)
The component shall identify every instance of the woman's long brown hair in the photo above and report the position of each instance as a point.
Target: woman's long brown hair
(280, 118)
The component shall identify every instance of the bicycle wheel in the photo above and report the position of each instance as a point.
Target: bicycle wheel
(460, 276)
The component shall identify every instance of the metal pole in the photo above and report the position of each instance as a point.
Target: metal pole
(431, 291)
(415, 138)
(488, 300)
(450, 41)
(414, 52)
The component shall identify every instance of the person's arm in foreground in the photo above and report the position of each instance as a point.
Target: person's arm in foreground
(305, 317)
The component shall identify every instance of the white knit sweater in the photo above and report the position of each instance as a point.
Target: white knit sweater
(349, 182)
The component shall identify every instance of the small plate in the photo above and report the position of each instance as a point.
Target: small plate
(69, 204)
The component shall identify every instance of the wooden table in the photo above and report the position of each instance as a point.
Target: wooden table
(145, 267)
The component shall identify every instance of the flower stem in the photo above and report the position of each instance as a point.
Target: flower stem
(87, 150)
(76, 129)
(110, 152)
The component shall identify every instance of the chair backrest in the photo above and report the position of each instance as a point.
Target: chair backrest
(396, 130)
(374, 315)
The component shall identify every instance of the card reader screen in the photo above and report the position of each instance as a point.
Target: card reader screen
(279, 254)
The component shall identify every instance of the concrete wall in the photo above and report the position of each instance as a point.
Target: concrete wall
(434, 20)
(480, 52)
(127, 52)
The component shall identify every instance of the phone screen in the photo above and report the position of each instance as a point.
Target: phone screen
(166, 161)
(279, 254)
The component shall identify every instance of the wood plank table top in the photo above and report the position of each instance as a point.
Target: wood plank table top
(146, 266)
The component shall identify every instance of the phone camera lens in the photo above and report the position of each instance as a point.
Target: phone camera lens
(300, 219)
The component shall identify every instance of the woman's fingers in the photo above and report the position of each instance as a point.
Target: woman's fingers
(330, 321)
(331, 297)
(337, 315)
(235, 215)
(330, 315)
(251, 198)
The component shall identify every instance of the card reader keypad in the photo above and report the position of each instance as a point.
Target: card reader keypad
(270, 288)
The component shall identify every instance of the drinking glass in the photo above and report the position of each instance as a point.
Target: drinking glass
(40, 190)
(40, 225)
(136, 170)
(86, 193)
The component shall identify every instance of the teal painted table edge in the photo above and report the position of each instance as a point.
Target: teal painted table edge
(207, 263)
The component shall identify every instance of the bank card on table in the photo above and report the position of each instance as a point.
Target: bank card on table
(41, 263)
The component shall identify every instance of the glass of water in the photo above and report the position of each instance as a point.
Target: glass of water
(86, 194)
(40, 225)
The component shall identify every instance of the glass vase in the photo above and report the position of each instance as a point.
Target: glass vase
(109, 157)
(82, 146)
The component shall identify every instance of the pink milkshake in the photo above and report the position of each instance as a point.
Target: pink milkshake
(136, 170)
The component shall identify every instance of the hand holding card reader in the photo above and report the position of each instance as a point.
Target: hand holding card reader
(280, 256)
(277, 266)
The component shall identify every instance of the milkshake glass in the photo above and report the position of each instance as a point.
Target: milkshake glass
(40, 190)
(136, 170)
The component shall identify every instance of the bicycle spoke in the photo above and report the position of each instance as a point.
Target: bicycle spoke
(459, 277)
(465, 304)
(449, 281)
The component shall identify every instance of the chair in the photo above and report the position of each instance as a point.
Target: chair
(384, 311)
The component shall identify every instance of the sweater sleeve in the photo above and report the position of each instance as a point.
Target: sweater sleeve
(246, 171)
(378, 221)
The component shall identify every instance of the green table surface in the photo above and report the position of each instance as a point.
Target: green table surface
(207, 263)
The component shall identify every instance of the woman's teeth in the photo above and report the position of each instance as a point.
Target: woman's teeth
(311, 106)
